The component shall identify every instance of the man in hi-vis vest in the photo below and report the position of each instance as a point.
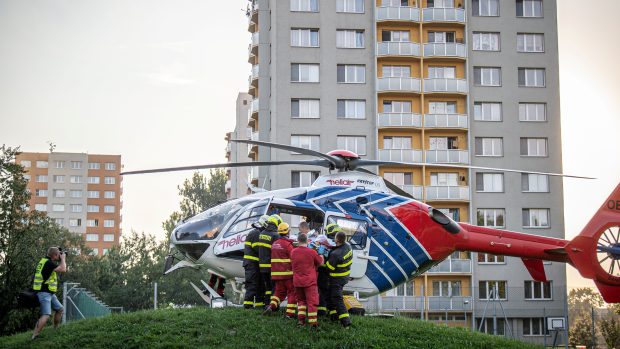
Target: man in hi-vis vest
(45, 284)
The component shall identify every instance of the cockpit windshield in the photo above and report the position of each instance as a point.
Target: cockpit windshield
(208, 224)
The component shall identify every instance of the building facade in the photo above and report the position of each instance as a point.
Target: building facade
(239, 183)
(81, 192)
(459, 82)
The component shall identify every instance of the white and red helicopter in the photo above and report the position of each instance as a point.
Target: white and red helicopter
(394, 237)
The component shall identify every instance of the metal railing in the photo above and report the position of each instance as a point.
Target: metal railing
(445, 49)
(407, 155)
(254, 106)
(399, 120)
(254, 74)
(253, 174)
(255, 38)
(81, 304)
(436, 14)
(445, 120)
(398, 84)
(445, 85)
(414, 190)
(398, 48)
(388, 13)
(446, 193)
(396, 303)
(449, 303)
(447, 156)
(451, 265)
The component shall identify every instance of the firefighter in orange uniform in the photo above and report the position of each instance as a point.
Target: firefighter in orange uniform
(305, 262)
(282, 273)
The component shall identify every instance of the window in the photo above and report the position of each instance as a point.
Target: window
(395, 3)
(536, 112)
(59, 164)
(307, 142)
(42, 164)
(490, 182)
(109, 208)
(454, 213)
(303, 178)
(305, 5)
(95, 252)
(76, 208)
(59, 193)
(396, 106)
(399, 178)
(529, 8)
(93, 180)
(305, 37)
(59, 179)
(26, 163)
(485, 8)
(487, 258)
(356, 144)
(92, 237)
(440, 3)
(93, 194)
(75, 222)
(354, 229)
(110, 180)
(443, 143)
(534, 147)
(396, 71)
(41, 179)
(76, 165)
(449, 179)
(441, 72)
(441, 37)
(76, 194)
(537, 290)
(93, 208)
(352, 6)
(92, 223)
(487, 325)
(108, 223)
(346, 38)
(110, 166)
(402, 290)
(487, 111)
(395, 35)
(489, 146)
(442, 107)
(58, 207)
(447, 288)
(59, 221)
(351, 109)
(105, 251)
(304, 72)
(491, 217)
(536, 218)
(486, 289)
(534, 183)
(534, 327)
(394, 142)
(351, 73)
(487, 76)
(305, 108)
(108, 237)
(41, 193)
(109, 194)
(76, 179)
(486, 41)
(94, 165)
(40, 207)
(531, 77)
(530, 42)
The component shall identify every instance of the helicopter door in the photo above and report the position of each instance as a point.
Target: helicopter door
(356, 228)
(231, 243)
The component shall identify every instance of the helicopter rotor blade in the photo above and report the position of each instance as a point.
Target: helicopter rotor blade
(322, 163)
(336, 162)
(356, 163)
(393, 187)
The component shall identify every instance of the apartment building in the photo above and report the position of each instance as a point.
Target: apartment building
(460, 82)
(239, 183)
(81, 192)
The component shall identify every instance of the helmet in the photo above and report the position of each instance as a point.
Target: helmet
(262, 221)
(273, 222)
(331, 230)
(283, 229)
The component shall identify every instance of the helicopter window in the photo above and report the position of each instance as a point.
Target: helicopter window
(212, 220)
(356, 230)
(245, 220)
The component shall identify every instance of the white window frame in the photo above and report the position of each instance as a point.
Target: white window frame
(108, 237)
(92, 208)
(59, 193)
(76, 208)
(537, 41)
(534, 80)
(353, 109)
(397, 142)
(40, 179)
(75, 179)
(302, 37)
(356, 144)
(40, 207)
(109, 180)
(529, 8)
(348, 38)
(76, 194)
(76, 165)
(110, 166)
(26, 163)
(488, 258)
(477, 11)
(59, 164)
(396, 106)
(42, 164)
(94, 180)
(312, 142)
(307, 108)
(75, 222)
(306, 76)
(439, 72)
(444, 179)
(491, 73)
(533, 215)
(542, 325)
(304, 5)
(536, 147)
(491, 182)
(92, 237)
(92, 223)
(352, 73)
(108, 194)
(489, 146)
(306, 178)
(94, 165)
(486, 41)
(534, 183)
(41, 193)
(94, 194)
(58, 207)
(488, 111)
(108, 223)
(491, 214)
(449, 285)
(532, 285)
(489, 286)
(532, 112)
(350, 6)
(109, 208)
(58, 178)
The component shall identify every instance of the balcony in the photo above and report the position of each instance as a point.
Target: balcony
(459, 303)
(445, 121)
(399, 120)
(254, 76)
(456, 193)
(435, 14)
(227, 186)
(447, 156)
(398, 84)
(253, 175)
(452, 266)
(413, 190)
(400, 303)
(445, 49)
(253, 113)
(404, 155)
(398, 48)
(400, 14)
(445, 85)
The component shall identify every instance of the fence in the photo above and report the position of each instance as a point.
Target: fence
(81, 304)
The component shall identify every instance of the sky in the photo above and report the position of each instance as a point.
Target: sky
(156, 81)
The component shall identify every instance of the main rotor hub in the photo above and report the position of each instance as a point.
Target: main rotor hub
(345, 154)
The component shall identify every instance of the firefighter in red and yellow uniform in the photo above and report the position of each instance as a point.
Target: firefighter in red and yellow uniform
(265, 239)
(282, 273)
(305, 262)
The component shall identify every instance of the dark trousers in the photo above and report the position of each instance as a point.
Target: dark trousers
(267, 286)
(254, 288)
(323, 285)
(337, 309)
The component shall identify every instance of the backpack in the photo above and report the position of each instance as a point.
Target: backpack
(27, 299)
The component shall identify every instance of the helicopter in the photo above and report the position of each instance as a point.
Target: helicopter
(394, 237)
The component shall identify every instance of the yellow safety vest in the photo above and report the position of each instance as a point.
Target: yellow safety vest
(52, 282)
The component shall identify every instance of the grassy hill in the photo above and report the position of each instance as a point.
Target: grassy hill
(238, 328)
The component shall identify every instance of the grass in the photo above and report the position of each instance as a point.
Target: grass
(239, 328)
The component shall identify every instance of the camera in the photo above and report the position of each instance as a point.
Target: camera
(62, 251)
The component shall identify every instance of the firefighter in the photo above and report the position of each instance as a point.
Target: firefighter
(254, 289)
(282, 273)
(265, 239)
(305, 262)
(339, 265)
(327, 243)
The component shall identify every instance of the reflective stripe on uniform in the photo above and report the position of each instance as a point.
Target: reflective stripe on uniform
(332, 312)
(267, 292)
(290, 311)
(278, 260)
(280, 273)
(248, 303)
(330, 266)
(251, 257)
(312, 314)
(276, 298)
(343, 315)
(265, 265)
(259, 304)
(293, 305)
(311, 321)
(301, 307)
(264, 237)
(340, 274)
(345, 264)
(349, 254)
(248, 243)
(321, 308)
(261, 244)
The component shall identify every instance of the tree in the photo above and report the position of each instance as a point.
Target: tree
(581, 301)
(610, 329)
(580, 332)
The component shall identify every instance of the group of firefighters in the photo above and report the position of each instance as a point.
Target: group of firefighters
(310, 276)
